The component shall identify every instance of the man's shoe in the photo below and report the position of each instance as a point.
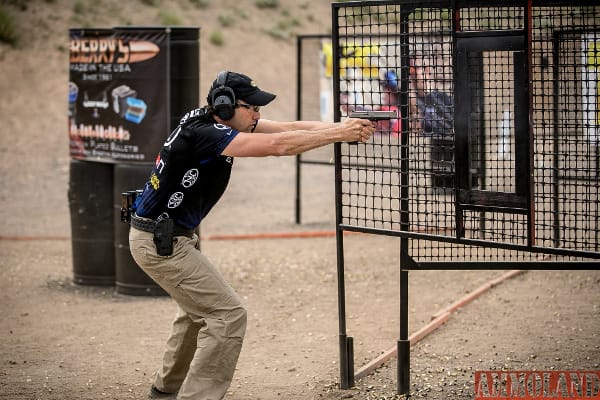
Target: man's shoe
(159, 394)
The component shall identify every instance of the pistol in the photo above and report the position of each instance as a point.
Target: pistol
(374, 115)
(127, 200)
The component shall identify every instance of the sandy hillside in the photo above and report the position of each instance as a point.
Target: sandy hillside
(33, 108)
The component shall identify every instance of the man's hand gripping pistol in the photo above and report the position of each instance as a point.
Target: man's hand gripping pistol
(373, 116)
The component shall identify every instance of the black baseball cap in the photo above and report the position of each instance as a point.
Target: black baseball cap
(245, 89)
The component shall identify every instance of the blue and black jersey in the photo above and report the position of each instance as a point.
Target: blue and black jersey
(190, 174)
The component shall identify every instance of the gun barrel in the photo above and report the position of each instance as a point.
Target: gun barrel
(374, 115)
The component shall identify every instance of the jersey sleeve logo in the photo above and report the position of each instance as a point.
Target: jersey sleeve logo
(154, 181)
(172, 137)
(189, 178)
(175, 200)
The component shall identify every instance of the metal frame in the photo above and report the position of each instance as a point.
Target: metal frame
(300, 160)
(519, 202)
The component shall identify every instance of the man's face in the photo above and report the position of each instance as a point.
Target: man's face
(245, 117)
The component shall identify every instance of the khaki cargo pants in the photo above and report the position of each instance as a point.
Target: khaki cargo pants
(208, 330)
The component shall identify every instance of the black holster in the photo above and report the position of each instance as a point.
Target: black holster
(163, 236)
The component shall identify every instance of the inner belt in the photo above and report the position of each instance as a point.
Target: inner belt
(148, 225)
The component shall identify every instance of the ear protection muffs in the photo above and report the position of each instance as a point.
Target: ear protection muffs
(223, 98)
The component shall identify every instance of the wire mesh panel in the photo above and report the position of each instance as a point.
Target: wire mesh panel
(367, 49)
(430, 131)
(566, 111)
(493, 161)
(496, 140)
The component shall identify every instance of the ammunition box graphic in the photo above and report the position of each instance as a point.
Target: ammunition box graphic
(119, 96)
(136, 110)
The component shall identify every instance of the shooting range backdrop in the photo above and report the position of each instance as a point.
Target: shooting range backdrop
(494, 162)
(128, 87)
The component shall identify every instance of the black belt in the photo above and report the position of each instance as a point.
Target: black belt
(148, 225)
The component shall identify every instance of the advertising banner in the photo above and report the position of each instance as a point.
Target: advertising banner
(118, 94)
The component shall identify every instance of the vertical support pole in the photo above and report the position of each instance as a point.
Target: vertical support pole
(343, 339)
(350, 347)
(297, 202)
(346, 362)
(346, 343)
(298, 117)
(403, 345)
(530, 117)
(462, 131)
(475, 72)
(597, 224)
(556, 178)
(344, 381)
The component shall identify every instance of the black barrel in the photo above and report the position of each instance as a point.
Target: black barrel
(130, 278)
(92, 228)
